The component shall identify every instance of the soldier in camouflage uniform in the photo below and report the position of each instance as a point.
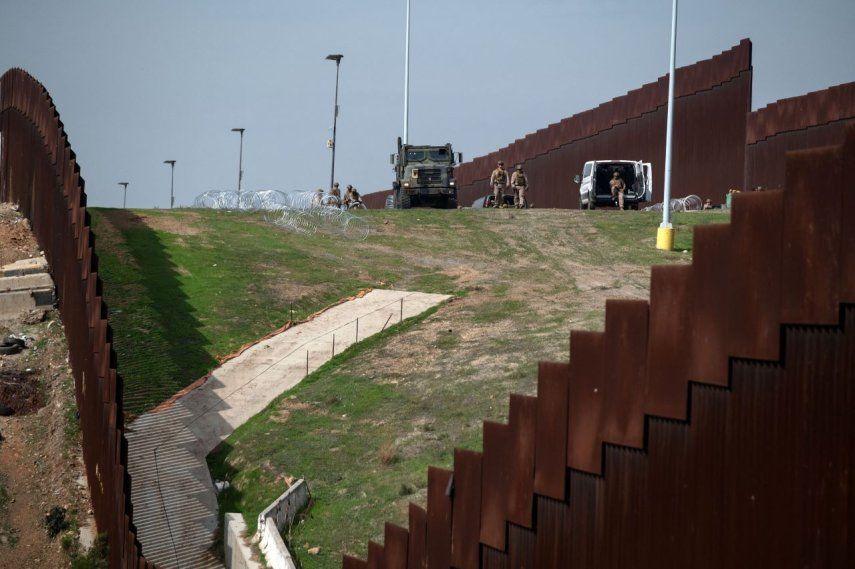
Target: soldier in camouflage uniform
(618, 187)
(519, 182)
(499, 182)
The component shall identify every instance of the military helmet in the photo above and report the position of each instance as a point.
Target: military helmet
(501, 163)
(519, 167)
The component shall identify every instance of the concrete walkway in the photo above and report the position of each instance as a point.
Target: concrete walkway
(175, 506)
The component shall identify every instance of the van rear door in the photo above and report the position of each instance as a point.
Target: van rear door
(648, 182)
(586, 187)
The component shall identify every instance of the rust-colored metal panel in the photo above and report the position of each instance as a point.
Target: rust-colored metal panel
(438, 541)
(754, 291)
(625, 372)
(466, 510)
(416, 549)
(847, 253)
(811, 237)
(522, 429)
(521, 545)
(395, 547)
(494, 559)
(551, 438)
(495, 480)
(375, 556)
(583, 525)
(711, 270)
(668, 359)
(766, 160)
(550, 549)
(349, 562)
(584, 440)
(376, 200)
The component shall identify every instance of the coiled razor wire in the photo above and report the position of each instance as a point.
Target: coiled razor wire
(688, 203)
(302, 212)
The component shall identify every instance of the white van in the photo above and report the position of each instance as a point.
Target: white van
(594, 189)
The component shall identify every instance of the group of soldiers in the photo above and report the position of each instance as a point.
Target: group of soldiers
(351, 199)
(518, 181)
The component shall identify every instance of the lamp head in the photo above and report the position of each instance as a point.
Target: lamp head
(335, 57)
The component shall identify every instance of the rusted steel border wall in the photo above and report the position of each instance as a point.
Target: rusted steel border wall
(714, 98)
(817, 119)
(709, 427)
(39, 172)
(376, 200)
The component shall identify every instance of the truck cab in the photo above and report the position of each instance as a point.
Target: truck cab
(594, 189)
(424, 176)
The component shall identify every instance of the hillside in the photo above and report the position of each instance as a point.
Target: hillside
(189, 286)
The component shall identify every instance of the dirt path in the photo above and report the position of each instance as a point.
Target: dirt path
(27, 546)
(40, 454)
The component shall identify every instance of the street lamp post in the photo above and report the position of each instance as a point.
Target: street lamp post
(665, 233)
(240, 163)
(125, 196)
(407, 79)
(171, 182)
(337, 58)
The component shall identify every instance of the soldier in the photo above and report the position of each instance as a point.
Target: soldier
(318, 198)
(499, 181)
(617, 186)
(333, 199)
(519, 182)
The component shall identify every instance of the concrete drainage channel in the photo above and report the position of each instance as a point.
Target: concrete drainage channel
(175, 504)
(272, 522)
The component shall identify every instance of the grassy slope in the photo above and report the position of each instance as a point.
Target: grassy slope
(186, 287)
(364, 428)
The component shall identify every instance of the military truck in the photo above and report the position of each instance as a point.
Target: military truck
(424, 176)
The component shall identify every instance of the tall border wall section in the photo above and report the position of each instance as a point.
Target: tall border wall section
(816, 119)
(40, 173)
(709, 427)
(713, 101)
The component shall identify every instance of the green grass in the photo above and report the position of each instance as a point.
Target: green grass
(186, 287)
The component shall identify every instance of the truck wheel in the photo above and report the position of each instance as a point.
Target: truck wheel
(404, 201)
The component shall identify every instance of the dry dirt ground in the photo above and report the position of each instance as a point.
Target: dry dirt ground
(40, 456)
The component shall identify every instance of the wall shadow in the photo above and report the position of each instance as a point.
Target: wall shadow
(158, 337)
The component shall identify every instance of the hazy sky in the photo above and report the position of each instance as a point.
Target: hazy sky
(137, 83)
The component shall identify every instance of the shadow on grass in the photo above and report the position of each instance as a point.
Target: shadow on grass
(171, 337)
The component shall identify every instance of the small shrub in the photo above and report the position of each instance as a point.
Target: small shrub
(96, 558)
(55, 521)
(388, 454)
(405, 490)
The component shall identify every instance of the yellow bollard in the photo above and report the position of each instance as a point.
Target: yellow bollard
(665, 238)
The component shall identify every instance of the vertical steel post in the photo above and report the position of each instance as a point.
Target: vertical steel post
(407, 79)
(665, 233)
(337, 58)
(171, 182)
(125, 195)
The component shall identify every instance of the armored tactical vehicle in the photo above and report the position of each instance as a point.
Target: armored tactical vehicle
(424, 176)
